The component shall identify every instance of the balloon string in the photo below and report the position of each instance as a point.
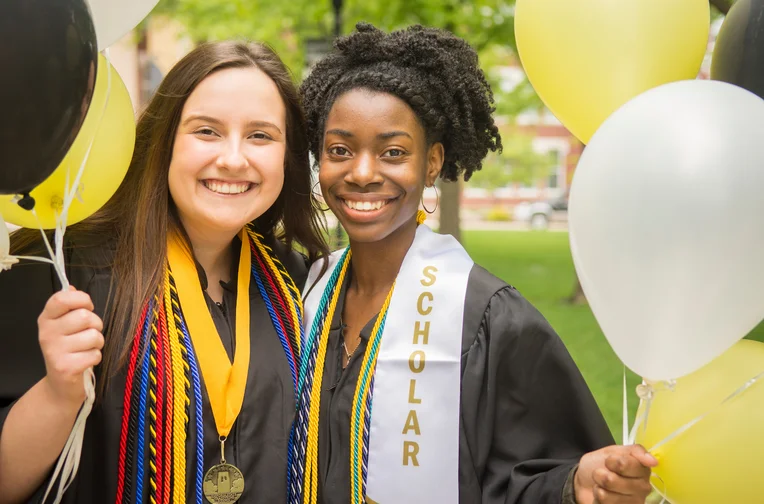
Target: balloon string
(72, 191)
(625, 426)
(69, 460)
(60, 270)
(662, 491)
(33, 258)
(646, 392)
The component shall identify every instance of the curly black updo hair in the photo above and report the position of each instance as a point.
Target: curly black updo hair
(434, 72)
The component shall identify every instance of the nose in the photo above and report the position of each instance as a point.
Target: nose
(364, 171)
(231, 156)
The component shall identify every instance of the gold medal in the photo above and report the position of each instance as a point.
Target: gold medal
(223, 483)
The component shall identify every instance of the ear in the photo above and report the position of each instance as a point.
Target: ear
(435, 158)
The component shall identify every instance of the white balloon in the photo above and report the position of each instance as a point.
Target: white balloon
(667, 225)
(113, 19)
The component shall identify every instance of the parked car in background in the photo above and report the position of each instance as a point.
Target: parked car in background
(539, 214)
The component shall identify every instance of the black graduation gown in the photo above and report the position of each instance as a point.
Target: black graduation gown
(258, 441)
(527, 415)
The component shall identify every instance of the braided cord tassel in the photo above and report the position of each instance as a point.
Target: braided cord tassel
(153, 405)
(180, 394)
(297, 474)
(276, 310)
(141, 446)
(361, 416)
(310, 485)
(165, 394)
(285, 283)
(318, 322)
(193, 369)
(127, 431)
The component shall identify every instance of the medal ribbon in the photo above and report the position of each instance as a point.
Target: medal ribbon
(225, 382)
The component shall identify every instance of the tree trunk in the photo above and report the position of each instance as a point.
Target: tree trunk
(722, 5)
(449, 209)
(141, 53)
(578, 297)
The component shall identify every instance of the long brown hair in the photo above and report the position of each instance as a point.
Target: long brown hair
(141, 213)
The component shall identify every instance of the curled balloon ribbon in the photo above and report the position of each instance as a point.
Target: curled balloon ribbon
(6, 259)
(646, 392)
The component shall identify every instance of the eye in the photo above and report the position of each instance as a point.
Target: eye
(205, 132)
(338, 151)
(259, 135)
(394, 153)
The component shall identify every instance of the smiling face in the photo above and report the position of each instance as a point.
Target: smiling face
(227, 164)
(375, 163)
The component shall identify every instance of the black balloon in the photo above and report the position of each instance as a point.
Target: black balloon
(48, 63)
(738, 56)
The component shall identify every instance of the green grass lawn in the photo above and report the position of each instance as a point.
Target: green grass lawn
(539, 265)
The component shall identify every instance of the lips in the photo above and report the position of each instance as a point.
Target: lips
(227, 188)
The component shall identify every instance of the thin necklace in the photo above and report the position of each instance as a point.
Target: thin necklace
(344, 346)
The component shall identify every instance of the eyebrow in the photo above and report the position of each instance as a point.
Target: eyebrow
(393, 134)
(250, 124)
(340, 132)
(202, 118)
(263, 124)
(383, 136)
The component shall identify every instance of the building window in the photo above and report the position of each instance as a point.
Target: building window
(553, 181)
(151, 77)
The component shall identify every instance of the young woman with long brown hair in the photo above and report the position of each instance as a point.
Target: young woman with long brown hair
(185, 303)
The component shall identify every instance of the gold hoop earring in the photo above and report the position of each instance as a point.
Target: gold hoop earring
(317, 199)
(437, 201)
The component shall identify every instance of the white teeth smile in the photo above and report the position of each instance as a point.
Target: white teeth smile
(365, 206)
(227, 188)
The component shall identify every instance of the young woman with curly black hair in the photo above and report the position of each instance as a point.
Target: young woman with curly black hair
(475, 398)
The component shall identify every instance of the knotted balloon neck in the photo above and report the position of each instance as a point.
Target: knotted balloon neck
(647, 389)
(26, 201)
(646, 392)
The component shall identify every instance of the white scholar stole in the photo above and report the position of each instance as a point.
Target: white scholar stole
(414, 436)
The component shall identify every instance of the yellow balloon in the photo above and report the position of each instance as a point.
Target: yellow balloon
(113, 142)
(719, 459)
(586, 58)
